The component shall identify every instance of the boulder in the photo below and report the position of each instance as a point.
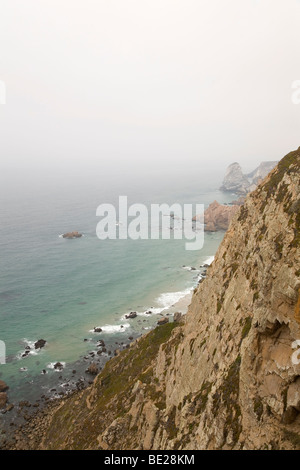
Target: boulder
(92, 369)
(3, 386)
(163, 320)
(3, 399)
(39, 344)
(71, 235)
(131, 315)
(58, 366)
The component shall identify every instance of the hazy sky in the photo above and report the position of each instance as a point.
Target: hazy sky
(145, 86)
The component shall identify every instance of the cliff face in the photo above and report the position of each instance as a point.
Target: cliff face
(218, 216)
(225, 378)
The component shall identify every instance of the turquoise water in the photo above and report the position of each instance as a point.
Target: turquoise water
(59, 289)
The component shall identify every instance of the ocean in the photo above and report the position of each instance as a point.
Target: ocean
(58, 290)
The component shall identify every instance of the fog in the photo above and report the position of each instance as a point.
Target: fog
(146, 88)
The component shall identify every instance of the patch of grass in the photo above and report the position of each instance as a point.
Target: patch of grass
(202, 397)
(243, 214)
(192, 345)
(170, 425)
(219, 306)
(279, 245)
(258, 407)
(247, 327)
(228, 395)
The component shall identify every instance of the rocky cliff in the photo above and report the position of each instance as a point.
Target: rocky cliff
(228, 376)
(218, 216)
(235, 181)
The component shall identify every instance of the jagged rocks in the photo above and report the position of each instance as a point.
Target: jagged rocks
(97, 329)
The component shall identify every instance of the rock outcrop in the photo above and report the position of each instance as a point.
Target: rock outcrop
(229, 376)
(218, 216)
(236, 182)
(39, 344)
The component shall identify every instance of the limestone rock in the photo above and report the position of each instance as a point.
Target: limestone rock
(39, 344)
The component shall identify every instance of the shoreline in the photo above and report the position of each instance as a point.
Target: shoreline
(24, 413)
(26, 434)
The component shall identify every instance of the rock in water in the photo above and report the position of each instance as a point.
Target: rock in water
(58, 366)
(131, 315)
(39, 344)
(97, 329)
(92, 369)
(3, 386)
(71, 235)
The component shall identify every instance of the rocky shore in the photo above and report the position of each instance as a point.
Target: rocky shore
(23, 423)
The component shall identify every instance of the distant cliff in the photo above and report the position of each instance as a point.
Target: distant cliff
(226, 377)
(235, 181)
